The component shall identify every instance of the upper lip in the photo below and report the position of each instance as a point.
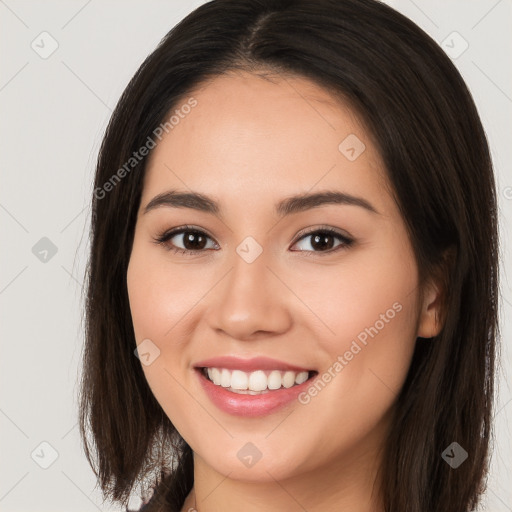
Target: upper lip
(248, 365)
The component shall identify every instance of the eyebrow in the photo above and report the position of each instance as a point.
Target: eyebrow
(287, 206)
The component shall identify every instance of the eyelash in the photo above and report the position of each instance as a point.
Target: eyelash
(164, 237)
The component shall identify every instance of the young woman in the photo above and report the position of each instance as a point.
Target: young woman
(293, 279)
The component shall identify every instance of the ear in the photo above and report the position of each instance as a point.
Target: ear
(432, 313)
(429, 322)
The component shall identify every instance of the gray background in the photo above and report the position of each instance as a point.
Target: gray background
(53, 114)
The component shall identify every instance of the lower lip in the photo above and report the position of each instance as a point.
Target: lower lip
(250, 405)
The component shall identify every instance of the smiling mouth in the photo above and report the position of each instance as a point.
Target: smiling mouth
(256, 382)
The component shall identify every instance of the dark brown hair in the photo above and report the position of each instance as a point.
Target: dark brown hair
(425, 125)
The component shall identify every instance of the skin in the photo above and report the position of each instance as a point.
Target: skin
(249, 143)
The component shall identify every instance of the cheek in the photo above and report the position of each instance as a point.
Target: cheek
(371, 308)
(159, 302)
(160, 293)
(371, 294)
(377, 303)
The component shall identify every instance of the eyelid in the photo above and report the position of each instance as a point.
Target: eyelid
(323, 228)
(166, 235)
(346, 239)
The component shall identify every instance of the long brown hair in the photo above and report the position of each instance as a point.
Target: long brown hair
(427, 129)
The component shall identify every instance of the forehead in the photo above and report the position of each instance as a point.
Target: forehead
(247, 134)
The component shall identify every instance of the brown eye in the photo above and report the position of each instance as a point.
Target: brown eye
(324, 240)
(192, 240)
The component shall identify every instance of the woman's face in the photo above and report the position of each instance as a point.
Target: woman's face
(267, 282)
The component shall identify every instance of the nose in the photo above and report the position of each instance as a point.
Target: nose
(250, 301)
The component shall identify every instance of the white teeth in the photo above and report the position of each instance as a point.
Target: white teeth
(225, 378)
(274, 380)
(239, 380)
(289, 379)
(255, 382)
(301, 377)
(215, 375)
